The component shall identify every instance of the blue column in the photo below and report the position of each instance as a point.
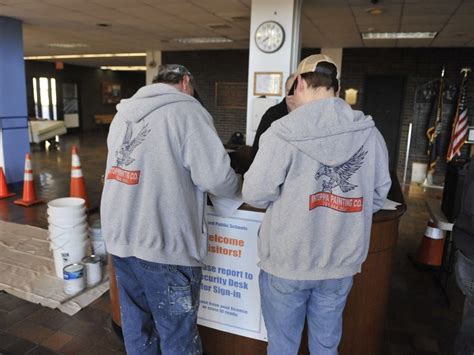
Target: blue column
(13, 107)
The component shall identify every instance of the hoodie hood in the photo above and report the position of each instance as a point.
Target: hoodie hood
(327, 130)
(139, 105)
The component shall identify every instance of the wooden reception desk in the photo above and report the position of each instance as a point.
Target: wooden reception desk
(366, 308)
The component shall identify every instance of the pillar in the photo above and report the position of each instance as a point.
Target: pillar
(153, 61)
(14, 143)
(284, 60)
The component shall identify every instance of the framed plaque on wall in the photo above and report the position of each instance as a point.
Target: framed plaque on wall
(267, 83)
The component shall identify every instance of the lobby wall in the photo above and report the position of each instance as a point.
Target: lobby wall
(418, 66)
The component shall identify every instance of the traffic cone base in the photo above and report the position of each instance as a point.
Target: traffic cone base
(10, 194)
(431, 248)
(27, 203)
(3, 186)
(29, 192)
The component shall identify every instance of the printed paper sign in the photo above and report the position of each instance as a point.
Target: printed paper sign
(230, 296)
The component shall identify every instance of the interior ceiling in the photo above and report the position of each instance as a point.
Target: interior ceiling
(141, 25)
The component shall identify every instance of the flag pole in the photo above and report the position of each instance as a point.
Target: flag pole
(432, 134)
(465, 72)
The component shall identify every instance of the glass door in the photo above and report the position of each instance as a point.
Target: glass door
(71, 105)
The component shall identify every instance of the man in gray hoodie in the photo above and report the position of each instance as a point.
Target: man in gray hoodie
(164, 155)
(321, 172)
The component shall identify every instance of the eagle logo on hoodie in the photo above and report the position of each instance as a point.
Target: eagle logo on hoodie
(129, 144)
(339, 175)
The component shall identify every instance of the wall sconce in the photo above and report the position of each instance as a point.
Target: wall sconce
(351, 96)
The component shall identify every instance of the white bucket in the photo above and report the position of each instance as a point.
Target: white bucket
(67, 222)
(69, 253)
(67, 213)
(98, 244)
(98, 248)
(95, 231)
(66, 203)
(59, 241)
(56, 230)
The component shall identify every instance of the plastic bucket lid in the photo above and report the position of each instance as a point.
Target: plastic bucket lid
(66, 202)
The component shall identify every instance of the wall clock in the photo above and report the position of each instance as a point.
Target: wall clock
(269, 36)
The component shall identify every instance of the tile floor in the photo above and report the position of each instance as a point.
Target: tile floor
(418, 322)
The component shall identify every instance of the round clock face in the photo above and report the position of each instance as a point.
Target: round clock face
(269, 36)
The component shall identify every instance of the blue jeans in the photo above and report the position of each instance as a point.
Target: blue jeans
(158, 304)
(286, 304)
(464, 269)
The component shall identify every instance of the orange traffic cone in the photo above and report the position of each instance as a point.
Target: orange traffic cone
(431, 248)
(78, 184)
(3, 186)
(29, 192)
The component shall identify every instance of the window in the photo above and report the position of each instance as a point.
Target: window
(46, 101)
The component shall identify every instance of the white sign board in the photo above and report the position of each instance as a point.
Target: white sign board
(230, 296)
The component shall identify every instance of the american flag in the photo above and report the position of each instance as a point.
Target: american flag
(459, 133)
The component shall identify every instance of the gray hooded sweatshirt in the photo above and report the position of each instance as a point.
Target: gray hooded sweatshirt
(164, 155)
(321, 172)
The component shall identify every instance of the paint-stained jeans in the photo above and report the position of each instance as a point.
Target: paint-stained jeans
(464, 268)
(159, 305)
(286, 304)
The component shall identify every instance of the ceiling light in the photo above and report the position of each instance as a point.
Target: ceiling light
(398, 35)
(124, 68)
(375, 11)
(76, 56)
(240, 18)
(219, 26)
(67, 45)
(201, 40)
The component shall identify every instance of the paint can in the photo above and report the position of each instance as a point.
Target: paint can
(73, 278)
(93, 269)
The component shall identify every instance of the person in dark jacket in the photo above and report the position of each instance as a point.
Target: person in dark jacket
(274, 113)
(463, 235)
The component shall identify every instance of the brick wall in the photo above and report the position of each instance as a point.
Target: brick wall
(211, 67)
(417, 66)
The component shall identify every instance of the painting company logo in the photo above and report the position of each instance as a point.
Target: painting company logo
(124, 156)
(338, 178)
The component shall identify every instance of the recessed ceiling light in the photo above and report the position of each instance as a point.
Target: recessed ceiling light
(219, 26)
(201, 40)
(67, 45)
(375, 11)
(75, 56)
(240, 18)
(124, 68)
(398, 35)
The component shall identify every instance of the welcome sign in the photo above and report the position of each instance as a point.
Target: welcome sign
(230, 296)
